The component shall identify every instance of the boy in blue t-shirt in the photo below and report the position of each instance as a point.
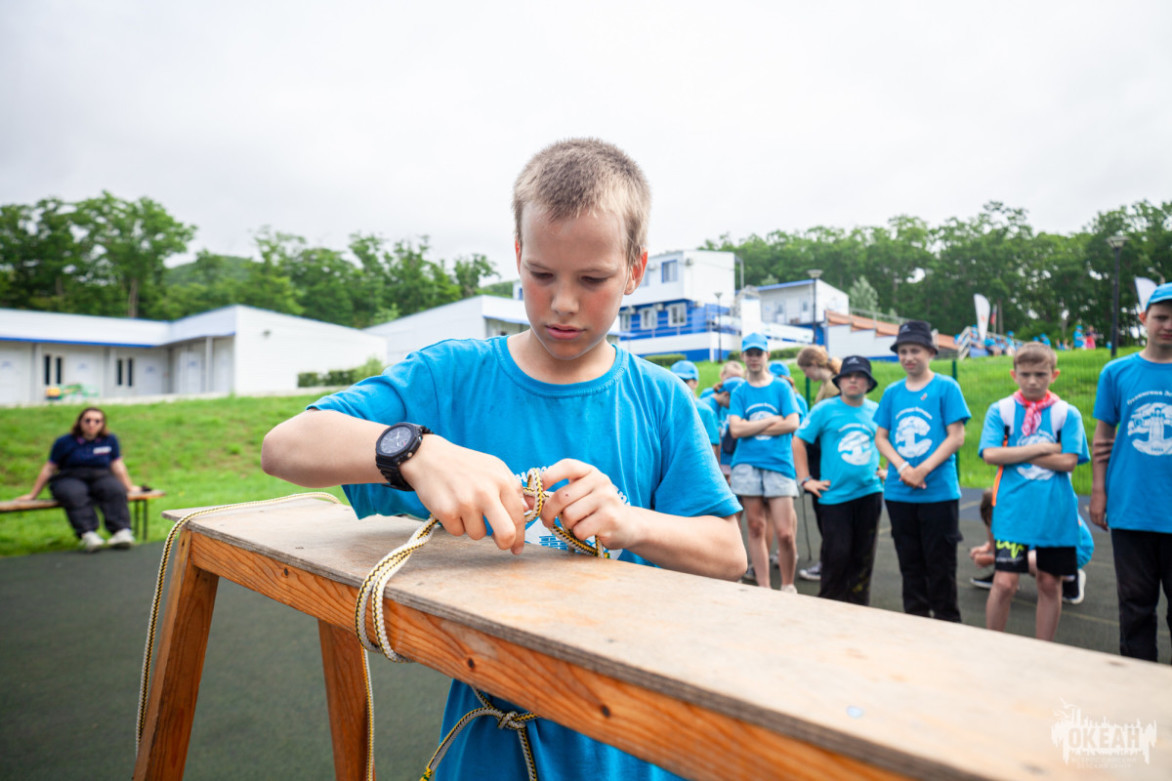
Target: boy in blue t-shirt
(1037, 440)
(920, 423)
(687, 371)
(763, 415)
(849, 488)
(1132, 476)
(453, 425)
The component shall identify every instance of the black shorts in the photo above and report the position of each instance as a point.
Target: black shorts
(1015, 557)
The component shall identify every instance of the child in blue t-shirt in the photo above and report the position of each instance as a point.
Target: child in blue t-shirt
(1132, 475)
(920, 423)
(849, 488)
(763, 415)
(687, 371)
(1037, 440)
(453, 425)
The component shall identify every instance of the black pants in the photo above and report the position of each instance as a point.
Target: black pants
(850, 534)
(79, 490)
(926, 535)
(1143, 562)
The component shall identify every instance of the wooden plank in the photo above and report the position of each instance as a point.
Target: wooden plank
(14, 505)
(852, 685)
(178, 667)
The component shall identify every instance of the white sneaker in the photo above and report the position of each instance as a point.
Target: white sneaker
(122, 539)
(92, 542)
(789, 589)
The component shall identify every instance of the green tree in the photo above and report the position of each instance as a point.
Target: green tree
(43, 263)
(863, 296)
(130, 241)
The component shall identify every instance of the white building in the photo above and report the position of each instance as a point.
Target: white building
(237, 349)
(479, 317)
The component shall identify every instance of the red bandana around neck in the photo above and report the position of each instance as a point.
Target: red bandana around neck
(1033, 411)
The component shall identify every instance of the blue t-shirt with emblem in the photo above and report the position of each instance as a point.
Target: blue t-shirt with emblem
(846, 435)
(917, 423)
(637, 424)
(70, 452)
(1135, 396)
(1035, 506)
(764, 451)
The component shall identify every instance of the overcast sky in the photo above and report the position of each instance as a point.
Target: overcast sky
(404, 119)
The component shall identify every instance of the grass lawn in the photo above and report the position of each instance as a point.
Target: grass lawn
(207, 452)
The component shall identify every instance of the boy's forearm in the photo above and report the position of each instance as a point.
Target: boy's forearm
(1017, 454)
(886, 449)
(322, 448)
(741, 428)
(1057, 462)
(801, 459)
(705, 545)
(777, 425)
(1101, 446)
(952, 443)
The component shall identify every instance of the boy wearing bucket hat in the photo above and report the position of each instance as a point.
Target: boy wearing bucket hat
(687, 371)
(920, 423)
(849, 490)
(1132, 475)
(763, 414)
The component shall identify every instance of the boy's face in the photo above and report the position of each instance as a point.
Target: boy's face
(754, 359)
(914, 359)
(1034, 379)
(853, 385)
(574, 274)
(1158, 323)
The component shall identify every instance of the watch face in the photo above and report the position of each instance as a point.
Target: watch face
(394, 440)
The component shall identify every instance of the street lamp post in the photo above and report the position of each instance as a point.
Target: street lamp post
(719, 346)
(814, 274)
(1116, 243)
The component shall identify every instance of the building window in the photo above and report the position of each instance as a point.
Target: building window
(624, 321)
(671, 271)
(125, 372)
(647, 319)
(677, 315)
(53, 362)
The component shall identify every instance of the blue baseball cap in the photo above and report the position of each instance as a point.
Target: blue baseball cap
(685, 370)
(728, 385)
(755, 341)
(1160, 295)
(779, 369)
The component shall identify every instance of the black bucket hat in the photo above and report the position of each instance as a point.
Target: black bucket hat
(855, 364)
(914, 332)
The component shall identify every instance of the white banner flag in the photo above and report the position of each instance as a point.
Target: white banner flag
(1143, 291)
(982, 305)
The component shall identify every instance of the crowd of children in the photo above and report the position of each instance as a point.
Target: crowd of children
(641, 466)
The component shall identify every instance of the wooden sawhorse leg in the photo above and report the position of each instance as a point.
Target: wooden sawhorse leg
(191, 597)
(342, 661)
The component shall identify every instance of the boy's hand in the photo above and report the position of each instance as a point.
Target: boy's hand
(589, 505)
(816, 487)
(1098, 509)
(980, 550)
(915, 476)
(463, 487)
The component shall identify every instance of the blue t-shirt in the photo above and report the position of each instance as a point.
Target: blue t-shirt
(917, 423)
(70, 452)
(1135, 396)
(764, 451)
(850, 460)
(708, 420)
(627, 423)
(1035, 506)
(721, 413)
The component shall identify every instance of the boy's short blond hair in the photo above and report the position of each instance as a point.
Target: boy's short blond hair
(580, 175)
(732, 369)
(1035, 353)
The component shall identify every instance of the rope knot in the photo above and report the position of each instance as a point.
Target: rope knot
(511, 720)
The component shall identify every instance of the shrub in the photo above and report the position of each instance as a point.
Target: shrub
(665, 360)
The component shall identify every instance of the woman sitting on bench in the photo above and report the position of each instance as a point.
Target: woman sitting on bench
(85, 469)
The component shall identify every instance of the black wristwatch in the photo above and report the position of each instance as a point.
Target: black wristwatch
(394, 446)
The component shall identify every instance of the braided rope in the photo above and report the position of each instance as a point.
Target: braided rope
(152, 623)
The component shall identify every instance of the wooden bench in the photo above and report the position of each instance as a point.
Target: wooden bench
(138, 501)
(712, 680)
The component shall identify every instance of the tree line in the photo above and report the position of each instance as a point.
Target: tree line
(106, 256)
(1041, 282)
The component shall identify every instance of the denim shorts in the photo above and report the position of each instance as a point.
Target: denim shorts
(748, 480)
